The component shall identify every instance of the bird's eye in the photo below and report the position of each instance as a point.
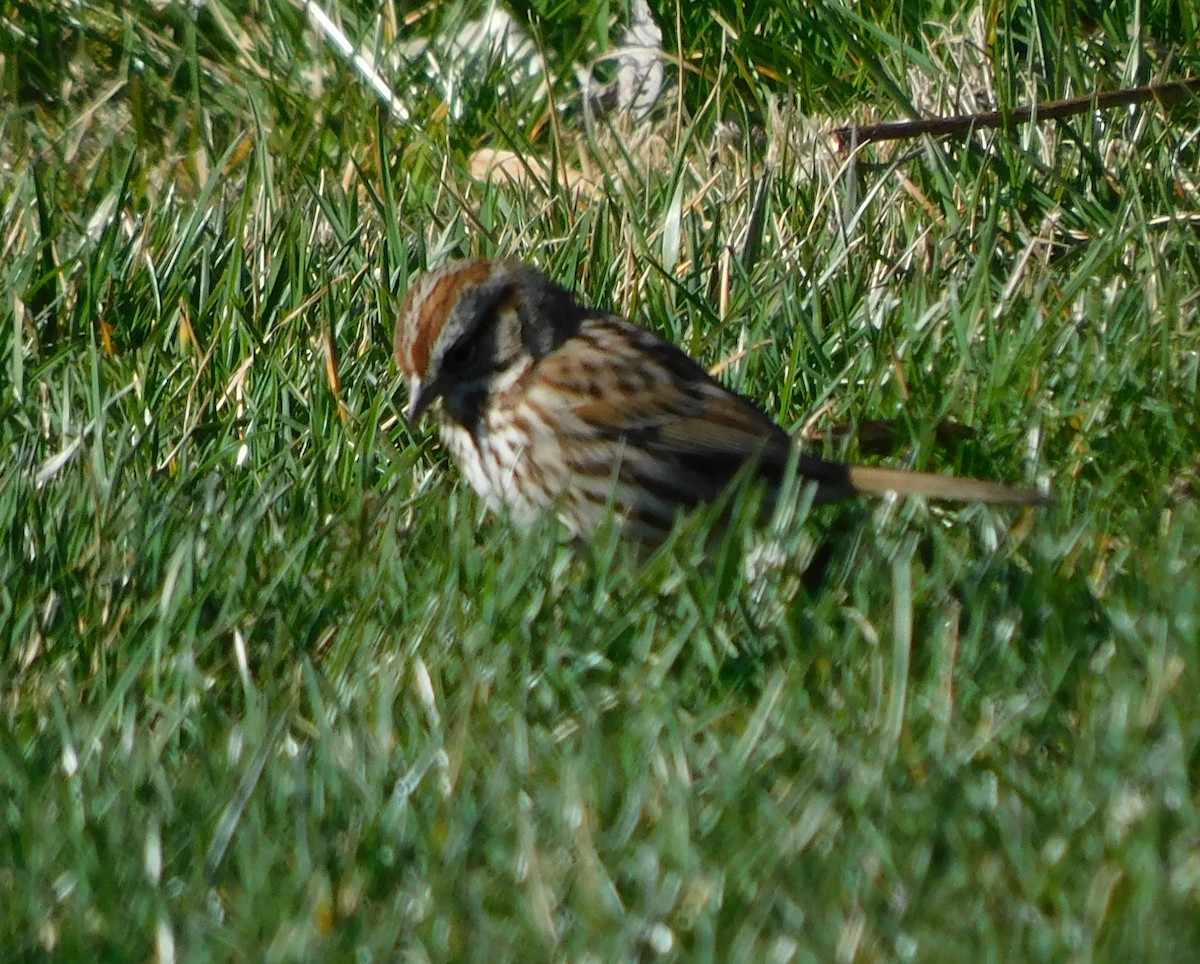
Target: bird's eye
(462, 355)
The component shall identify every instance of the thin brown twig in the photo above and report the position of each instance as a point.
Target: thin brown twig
(1172, 92)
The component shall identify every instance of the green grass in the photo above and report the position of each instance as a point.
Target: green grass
(273, 687)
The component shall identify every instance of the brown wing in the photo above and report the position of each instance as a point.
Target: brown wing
(639, 411)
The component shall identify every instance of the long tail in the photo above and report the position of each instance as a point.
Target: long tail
(869, 479)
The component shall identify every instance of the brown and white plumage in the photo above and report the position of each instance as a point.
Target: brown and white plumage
(551, 406)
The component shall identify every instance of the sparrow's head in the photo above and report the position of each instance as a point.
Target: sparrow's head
(473, 327)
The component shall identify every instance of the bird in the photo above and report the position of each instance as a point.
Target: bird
(548, 405)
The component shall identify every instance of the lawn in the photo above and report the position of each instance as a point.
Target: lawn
(274, 687)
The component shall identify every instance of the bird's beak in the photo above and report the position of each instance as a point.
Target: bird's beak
(419, 398)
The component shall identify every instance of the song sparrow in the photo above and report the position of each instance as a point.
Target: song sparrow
(550, 405)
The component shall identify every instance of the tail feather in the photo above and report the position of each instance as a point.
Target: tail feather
(871, 479)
